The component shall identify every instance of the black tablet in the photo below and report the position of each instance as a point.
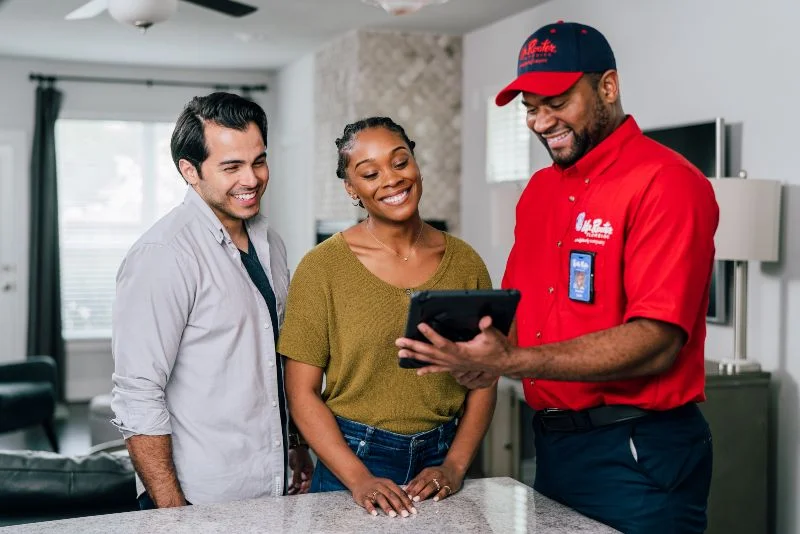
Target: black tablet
(455, 314)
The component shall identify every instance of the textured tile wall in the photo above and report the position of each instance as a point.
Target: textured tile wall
(413, 78)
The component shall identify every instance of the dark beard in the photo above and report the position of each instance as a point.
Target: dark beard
(595, 132)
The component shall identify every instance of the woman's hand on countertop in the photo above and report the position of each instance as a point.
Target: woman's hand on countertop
(373, 493)
(437, 482)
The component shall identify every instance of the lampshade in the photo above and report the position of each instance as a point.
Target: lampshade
(749, 219)
(142, 13)
(402, 7)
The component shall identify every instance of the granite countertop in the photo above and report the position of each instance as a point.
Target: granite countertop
(500, 505)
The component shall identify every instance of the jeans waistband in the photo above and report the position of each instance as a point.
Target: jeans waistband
(379, 436)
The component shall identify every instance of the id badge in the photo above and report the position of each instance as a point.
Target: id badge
(581, 276)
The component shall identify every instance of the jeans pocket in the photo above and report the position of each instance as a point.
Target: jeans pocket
(357, 445)
(668, 463)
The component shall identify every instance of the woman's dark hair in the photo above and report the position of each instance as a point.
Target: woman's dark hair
(225, 109)
(345, 142)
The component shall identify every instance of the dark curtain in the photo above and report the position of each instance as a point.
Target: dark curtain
(44, 294)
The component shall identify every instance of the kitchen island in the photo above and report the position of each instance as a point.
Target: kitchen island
(490, 505)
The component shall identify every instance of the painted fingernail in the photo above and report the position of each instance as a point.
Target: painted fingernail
(436, 499)
(416, 499)
(374, 512)
(392, 514)
(404, 513)
(413, 510)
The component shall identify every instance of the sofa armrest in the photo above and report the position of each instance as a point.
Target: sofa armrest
(34, 369)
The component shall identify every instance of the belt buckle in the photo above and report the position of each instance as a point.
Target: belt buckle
(570, 420)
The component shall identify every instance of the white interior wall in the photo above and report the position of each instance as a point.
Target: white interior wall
(290, 194)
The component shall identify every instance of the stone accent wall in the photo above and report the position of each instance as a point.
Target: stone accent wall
(413, 78)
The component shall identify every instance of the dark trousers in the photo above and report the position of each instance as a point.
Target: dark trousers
(646, 476)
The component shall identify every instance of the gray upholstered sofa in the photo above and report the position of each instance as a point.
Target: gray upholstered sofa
(43, 486)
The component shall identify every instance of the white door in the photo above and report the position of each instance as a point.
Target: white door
(14, 211)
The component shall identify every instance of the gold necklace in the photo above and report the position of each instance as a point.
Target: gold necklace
(393, 251)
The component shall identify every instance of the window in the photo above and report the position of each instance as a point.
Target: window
(508, 143)
(115, 179)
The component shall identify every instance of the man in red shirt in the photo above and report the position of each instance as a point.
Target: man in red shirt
(612, 255)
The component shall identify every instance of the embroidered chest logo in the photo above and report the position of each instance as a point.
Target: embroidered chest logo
(594, 231)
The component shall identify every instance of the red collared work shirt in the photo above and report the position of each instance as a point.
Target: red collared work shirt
(648, 217)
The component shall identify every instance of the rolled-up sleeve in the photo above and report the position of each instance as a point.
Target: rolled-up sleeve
(151, 309)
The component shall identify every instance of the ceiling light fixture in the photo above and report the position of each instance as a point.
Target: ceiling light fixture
(402, 7)
(142, 13)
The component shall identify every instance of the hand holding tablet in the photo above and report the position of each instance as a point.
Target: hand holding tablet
(455, 314)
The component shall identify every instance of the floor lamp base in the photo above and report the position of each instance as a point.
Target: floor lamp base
(730, 366)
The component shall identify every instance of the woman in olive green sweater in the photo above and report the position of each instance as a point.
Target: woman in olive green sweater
(376, 426)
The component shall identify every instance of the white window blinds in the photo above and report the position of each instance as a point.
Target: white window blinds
(115, 179)
(508, 143)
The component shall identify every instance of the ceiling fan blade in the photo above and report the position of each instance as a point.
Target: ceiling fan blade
(88, 10)
(227, 7)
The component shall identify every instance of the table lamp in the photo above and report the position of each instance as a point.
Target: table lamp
(749, 228)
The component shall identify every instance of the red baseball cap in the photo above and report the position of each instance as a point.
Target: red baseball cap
(555, 57)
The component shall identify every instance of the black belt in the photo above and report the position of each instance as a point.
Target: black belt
(555, 420)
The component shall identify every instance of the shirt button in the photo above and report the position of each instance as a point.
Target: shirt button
(586, 181)
(558, 244)
(266, 325)
(271, 363)
(550, 289)
(538, 334)
(274, 403)
(572, 198)
(362, 443)
(277, 443)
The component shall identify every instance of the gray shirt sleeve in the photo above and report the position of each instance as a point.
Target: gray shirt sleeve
(152, 306)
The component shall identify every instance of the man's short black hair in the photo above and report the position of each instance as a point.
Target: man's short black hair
(225, 109)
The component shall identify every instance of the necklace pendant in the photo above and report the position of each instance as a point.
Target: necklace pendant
(405, 259)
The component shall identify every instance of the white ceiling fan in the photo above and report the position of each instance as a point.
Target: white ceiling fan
(145, 13)
(402, 7)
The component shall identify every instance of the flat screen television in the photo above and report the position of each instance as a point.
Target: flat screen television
(703, 144)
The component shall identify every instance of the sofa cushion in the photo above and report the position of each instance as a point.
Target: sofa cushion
(49, 482)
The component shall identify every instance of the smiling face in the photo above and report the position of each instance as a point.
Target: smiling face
(574, 122)
(234, 176)
(383, 174)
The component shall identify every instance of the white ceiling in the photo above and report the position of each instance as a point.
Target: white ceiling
(279, 32)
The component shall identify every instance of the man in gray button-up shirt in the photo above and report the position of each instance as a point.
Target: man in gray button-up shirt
(198, 388)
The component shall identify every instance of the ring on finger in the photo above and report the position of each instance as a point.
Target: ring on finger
(373, 496)
(436, 483)
(447, 490)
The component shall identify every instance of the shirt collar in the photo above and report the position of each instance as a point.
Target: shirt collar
(604, 154)
(212, 222)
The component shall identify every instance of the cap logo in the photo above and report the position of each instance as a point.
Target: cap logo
(536, 52)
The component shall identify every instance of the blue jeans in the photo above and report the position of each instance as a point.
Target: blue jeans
(397, 457)
(646, 476)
